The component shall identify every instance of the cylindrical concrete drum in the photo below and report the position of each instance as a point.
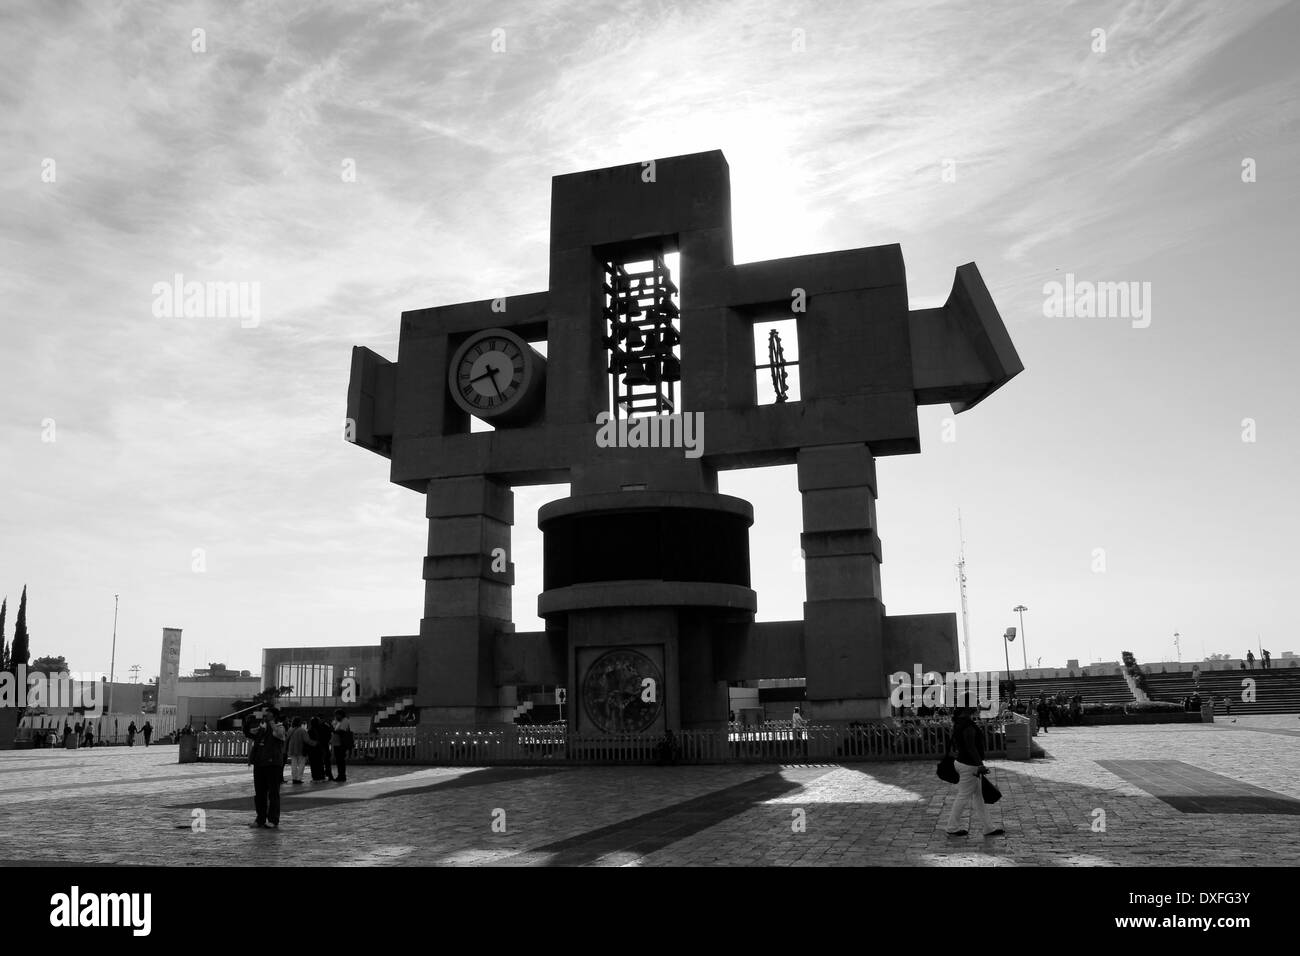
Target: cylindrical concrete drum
(646, 584)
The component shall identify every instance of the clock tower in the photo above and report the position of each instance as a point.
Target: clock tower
(665, 362)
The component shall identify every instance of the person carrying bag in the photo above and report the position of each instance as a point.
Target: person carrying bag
(967, 749)
(947, 768)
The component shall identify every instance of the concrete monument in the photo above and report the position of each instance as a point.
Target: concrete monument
(647, 386)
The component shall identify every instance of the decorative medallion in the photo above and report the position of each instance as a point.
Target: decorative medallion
(622, 692)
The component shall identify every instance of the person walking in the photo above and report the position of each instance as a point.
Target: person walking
(341, 742)
(130, 734)
(297, 750)
(967, 748)
(147, 731)
(90, 736)
(799, 730)
(267, 758)
(1044, 714)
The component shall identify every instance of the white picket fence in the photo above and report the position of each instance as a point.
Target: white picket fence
(108, 730)
(901, 739)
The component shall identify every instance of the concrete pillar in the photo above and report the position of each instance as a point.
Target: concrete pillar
(467, 574)
(648, 631)
(843, 613)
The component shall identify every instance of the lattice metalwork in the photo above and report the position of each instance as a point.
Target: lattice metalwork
(776, 356)
(778, 365)
(643, 337)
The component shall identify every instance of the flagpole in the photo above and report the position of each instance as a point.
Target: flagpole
(961, 582)
(112, 660)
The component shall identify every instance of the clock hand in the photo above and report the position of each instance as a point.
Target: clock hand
(490, 371)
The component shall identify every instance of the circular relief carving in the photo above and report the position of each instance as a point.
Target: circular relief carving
(614, 691)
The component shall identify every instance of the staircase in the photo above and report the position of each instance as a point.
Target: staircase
(538, 708)
(1276, 691)
(1093, 690)
(392, 709)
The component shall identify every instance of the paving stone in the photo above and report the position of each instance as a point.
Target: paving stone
(116, 806)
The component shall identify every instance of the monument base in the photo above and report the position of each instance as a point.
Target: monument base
(846, 710)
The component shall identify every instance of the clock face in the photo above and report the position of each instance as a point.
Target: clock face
(495, 375)
(490, 372)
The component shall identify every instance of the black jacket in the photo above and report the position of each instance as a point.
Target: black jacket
(967, 742)
(268, 744)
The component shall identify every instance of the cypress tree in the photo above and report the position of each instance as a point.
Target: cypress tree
(4, 645)
(18, 651)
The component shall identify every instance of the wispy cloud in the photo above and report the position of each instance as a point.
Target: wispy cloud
(228, 165)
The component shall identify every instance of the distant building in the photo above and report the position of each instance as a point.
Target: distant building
(215, 671)
(329, 677)
(210, 694)
(125, 698)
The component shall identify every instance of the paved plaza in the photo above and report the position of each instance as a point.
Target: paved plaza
(1179, 794)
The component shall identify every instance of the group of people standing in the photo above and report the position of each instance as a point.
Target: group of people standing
(314, 743)
(1060, 709)
(1265, 660)
(319, 743)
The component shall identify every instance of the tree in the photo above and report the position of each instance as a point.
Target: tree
(4, 645)
(19, 652)
(49, 665)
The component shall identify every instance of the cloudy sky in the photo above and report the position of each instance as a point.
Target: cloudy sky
(195, 465)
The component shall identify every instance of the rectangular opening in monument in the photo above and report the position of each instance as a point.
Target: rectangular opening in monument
(776, 566)
(526, 552)
(776, 361)
(641, 312)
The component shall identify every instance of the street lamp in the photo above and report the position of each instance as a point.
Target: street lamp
(1179, 647)
(1024, 650)
(1007, 638)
